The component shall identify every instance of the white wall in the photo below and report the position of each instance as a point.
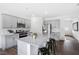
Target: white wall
(76, 33)
(36, 25)
(65, 25)
(0, 30)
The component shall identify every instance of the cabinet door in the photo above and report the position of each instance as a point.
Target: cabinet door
(6, 21)
(14, 22)
(23, 48)
(10, 41)
(21, 20)
(27, 23)
(9, 21)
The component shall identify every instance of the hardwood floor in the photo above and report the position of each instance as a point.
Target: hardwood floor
(69, 46)
(10, 51)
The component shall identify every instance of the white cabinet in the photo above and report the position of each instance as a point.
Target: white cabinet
(24, 21)
(28, 24)
(14, 22)
(10, 41)
(21, 20)
(23, 48)
(9, 21)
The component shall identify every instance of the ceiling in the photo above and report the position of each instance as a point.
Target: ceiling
(40, 9)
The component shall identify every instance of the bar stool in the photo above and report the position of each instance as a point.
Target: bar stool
(53, 41)
(43, 51)
(49, 47)
(53, 44)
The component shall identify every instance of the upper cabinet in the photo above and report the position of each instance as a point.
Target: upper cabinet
(24, 23)
(10, 21)
(20, 20)
(28, 23)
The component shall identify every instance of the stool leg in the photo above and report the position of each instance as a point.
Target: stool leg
(54, 48)
(38, 52)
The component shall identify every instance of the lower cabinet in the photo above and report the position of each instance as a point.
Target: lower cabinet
(10, 41)
(23, 48)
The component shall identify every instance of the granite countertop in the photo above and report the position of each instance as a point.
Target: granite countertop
(40, 40)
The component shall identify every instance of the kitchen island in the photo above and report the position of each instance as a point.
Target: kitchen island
(29, 46)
